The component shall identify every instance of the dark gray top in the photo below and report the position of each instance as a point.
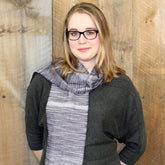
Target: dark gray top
(115, 112)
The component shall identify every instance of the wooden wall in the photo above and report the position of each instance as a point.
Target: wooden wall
(26, 32)
(25, 44)
(149, 73)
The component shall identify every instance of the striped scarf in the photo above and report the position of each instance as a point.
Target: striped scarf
(67, 113)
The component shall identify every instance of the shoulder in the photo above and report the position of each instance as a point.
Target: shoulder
(38, 83)
(122, 85)
(39, 76)
(123, 82)
(38, 79)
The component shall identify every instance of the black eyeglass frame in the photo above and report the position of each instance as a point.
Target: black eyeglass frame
(67, 34)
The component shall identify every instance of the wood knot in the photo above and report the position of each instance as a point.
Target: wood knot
(20, 3)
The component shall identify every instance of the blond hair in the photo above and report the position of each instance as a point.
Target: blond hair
(105, 63)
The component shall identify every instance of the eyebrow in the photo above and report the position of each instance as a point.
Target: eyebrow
(89, 28)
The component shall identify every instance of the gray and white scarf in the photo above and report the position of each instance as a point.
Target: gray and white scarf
(67, 113)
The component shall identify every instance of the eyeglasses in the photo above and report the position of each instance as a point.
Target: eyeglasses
(75, 35)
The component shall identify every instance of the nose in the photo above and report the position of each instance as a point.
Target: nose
(82, 39)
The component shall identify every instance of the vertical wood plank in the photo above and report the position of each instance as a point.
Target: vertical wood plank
(60, 9)
(149, 74)
(25, 45)
(119, 16)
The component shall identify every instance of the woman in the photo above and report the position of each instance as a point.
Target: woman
(77, 107)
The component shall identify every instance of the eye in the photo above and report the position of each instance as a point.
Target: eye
(74, 33)
(90, 32)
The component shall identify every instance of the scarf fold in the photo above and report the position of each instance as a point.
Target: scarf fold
(77, 83)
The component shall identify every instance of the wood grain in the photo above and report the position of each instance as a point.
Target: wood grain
(119, 16)
(149, 74)
(25, 45)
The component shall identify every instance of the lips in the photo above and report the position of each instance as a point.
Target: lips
(83, 49)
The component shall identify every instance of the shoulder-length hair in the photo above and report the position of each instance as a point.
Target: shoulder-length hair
(105, 63)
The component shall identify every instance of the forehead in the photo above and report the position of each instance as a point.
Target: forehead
(81, 21)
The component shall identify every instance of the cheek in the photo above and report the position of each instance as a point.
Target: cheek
(72, 45)
(96, 44)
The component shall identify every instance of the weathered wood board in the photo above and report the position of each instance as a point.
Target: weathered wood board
(149, 73)
(119, 16)
(25, 45)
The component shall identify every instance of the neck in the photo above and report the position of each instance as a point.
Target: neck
(88, 65)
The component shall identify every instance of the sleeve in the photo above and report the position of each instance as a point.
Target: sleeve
(34, 132)
(134, 135)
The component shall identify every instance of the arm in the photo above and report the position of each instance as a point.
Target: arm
(38, 154)
(34, 131)
(134, 127)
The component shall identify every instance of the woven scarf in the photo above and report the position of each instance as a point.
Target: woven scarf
(67, 113)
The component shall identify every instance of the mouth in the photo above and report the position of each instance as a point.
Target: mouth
(83, 49)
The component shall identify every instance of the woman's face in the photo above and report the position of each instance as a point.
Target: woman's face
(83, 49)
